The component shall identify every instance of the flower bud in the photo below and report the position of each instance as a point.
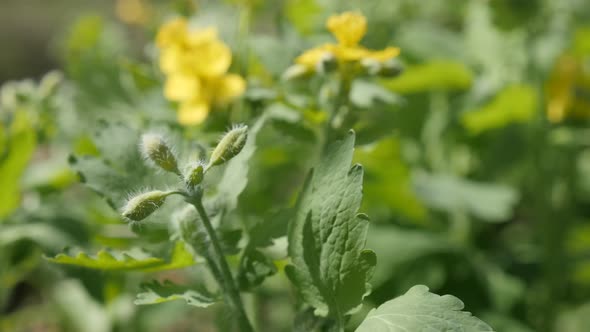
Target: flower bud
(154, 148)
(326, 64)
(142, 205)
(194, 174)
(230, 145)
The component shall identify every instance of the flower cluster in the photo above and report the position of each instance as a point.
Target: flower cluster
(196, 64)
(348, 28)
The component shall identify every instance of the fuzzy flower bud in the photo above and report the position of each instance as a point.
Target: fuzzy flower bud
(142, 205)
(154, 148)
(194, 174)
(230, 145)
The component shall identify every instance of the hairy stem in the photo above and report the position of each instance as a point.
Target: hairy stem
(220, 267)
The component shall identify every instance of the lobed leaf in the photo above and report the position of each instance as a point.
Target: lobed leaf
(110, 260)
(420, 311)
(107, 260)
(330, 266)
(156, 292)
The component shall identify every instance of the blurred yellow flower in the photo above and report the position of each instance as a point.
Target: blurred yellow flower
(348, 28)
(311, 57)
(566, 89)
(196, 64)
(133, 11)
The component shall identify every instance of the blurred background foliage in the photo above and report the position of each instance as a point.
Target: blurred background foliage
(477, 157)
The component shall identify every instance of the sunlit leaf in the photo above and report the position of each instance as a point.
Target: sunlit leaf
(155, 292)
(420, 310)
(111, 260)
(20, 142)
(445, 75)
(514, 104)
(108, 260)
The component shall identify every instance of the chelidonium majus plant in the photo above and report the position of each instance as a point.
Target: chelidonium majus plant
(325, 260)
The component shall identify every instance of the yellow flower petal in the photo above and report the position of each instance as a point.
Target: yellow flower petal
(197, 38)
(347, 53)
(182, 87)
(213, 59)
(383, 55)
(229, 87)
(172, 33)
(171, 59)
(193, 113)
(312, 56)
(348, 28)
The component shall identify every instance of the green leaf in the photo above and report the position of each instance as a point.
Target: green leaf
(80, 309)
(305, 15)
(419, 310)
(506, 323)
(387, 186)
(330, 266)
(255, 266)
(367, 94)
(181, 257)
(19, 144)
(574, 319)
(110, 260)
(445, 75)
(515, 104)
(491, 202)
(43, 234)
(120, 169)
(155, 292)
(409, 246)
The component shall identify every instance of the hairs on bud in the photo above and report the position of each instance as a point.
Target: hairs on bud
(194, 173)
(229, 146)
(140, 206)
(156, 151)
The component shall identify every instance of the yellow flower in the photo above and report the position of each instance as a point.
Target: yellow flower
(196, 64)
(348, 28)
(172, 33)
(348, 53)
(180, 87)
(229, 87)
(567, 78)
(192, 113)
(311, 57)
(209, 58)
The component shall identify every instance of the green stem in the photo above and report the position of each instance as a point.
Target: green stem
(340, 101)
(219, 266)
